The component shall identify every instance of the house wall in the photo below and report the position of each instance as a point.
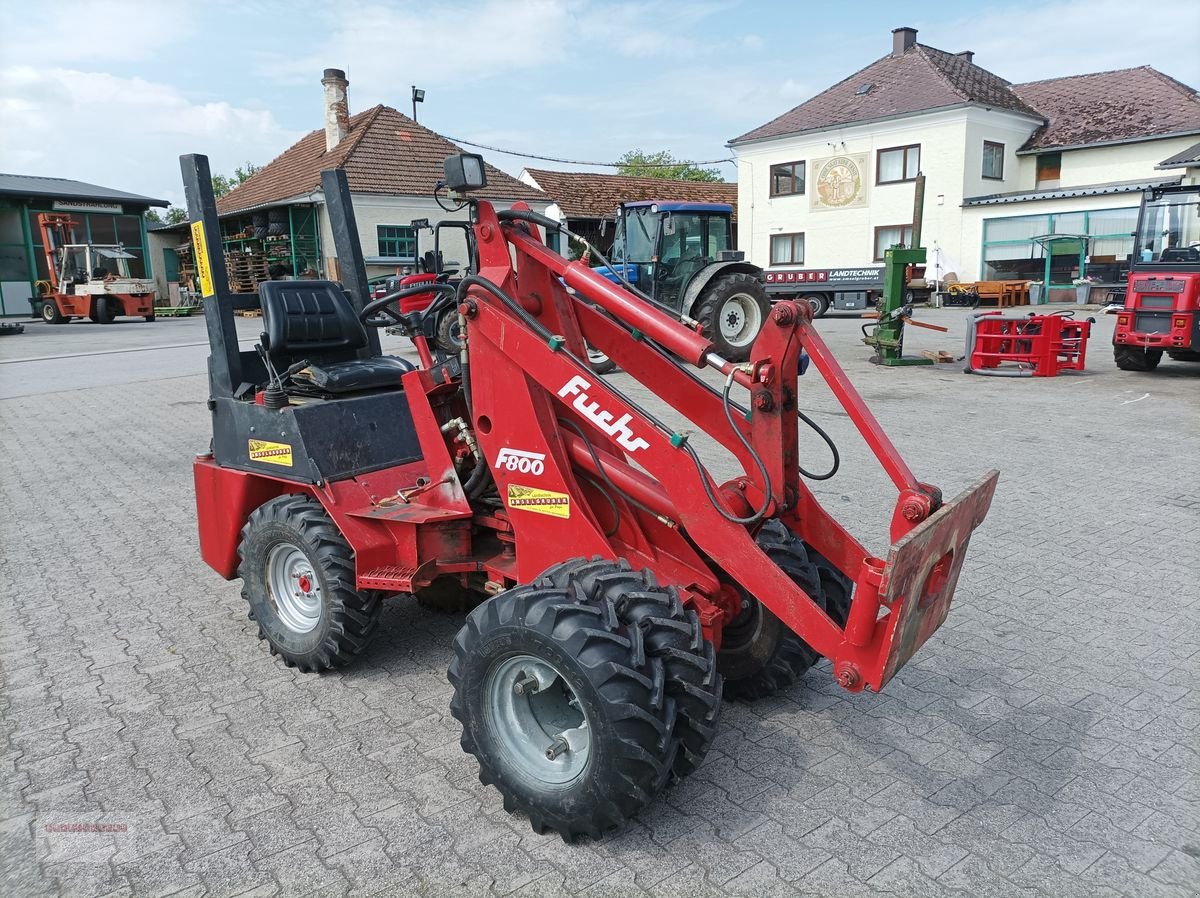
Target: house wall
(951, 144)
(952, 160)
(373, 210)
(1101, 165)
(157, 242)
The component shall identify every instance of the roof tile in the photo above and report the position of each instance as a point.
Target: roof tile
(384, 152)
(920, 79)
(593, 195)
(1126, 104)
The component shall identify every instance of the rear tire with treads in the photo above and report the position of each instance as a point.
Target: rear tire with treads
(329, 622)
(1134, 358)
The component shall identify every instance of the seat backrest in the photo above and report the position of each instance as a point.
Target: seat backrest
(304, 319)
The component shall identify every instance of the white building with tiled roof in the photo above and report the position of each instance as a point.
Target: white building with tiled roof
(278, 216)
(1013, 171)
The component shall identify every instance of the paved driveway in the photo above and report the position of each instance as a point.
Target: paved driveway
(1043, 743)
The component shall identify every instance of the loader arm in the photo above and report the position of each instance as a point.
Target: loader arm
(667, 510)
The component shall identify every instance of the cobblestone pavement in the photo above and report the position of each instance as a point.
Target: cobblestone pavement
(1044, 742)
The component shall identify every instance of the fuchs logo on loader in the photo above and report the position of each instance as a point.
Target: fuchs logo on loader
(530, 498)
(271, 453)
(521, 461)
(618, 429)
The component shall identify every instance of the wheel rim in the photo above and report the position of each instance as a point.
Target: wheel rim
(537, 720)
(816, 304)
(295, 589)
(740, 319)
(47, 312)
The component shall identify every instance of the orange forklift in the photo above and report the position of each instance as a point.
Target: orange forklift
(89, 279)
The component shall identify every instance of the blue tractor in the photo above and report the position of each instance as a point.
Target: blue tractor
(681, 256)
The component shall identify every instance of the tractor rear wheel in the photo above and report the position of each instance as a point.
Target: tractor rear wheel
(760, 655)
(297, 575)
(104, 311)
(51, 313)
(672, 633)
(1134, 358)
(563, 707)
(731, 311)
(600, 362)
(449, 336)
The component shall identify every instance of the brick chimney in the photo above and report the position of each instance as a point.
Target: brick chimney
(968, 55)
(337, 108)
(903, 40)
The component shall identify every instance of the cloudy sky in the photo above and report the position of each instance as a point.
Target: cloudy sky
(112, 91)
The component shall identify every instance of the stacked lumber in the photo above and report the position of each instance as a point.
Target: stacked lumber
(245, 270)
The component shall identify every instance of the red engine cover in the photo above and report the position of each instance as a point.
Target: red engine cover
(421, 301)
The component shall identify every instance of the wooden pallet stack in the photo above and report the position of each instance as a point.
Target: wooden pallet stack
(245, 270)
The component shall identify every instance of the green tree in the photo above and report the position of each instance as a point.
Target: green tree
(174, 215)
(222, 184)
(663, 165)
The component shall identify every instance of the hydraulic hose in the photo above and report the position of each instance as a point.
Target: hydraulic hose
(837, 459)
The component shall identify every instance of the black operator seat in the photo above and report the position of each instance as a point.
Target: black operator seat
(315, 321)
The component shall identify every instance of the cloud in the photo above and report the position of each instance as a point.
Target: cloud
(125, 133)
(1076, 37)
(433, 44)
(125, 30)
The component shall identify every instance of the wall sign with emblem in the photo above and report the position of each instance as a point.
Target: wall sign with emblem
(840, 182)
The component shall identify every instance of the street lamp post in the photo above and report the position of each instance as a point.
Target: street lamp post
(418, 96)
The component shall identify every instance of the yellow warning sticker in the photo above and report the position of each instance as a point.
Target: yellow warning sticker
(271, 453)
(203, 266)
(530, 498)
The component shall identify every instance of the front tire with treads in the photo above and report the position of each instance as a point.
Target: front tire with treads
(760, 655)
(562, 707)
(673, 634)
(297, 575)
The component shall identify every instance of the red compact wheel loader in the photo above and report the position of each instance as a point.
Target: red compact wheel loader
(620, 590)
(1161, 313)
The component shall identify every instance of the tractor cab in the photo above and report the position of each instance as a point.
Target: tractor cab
(661, 247)
(679, 257)
(1162, 303)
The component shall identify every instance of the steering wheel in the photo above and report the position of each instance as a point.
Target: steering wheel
(369, 313)
(673, 267)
